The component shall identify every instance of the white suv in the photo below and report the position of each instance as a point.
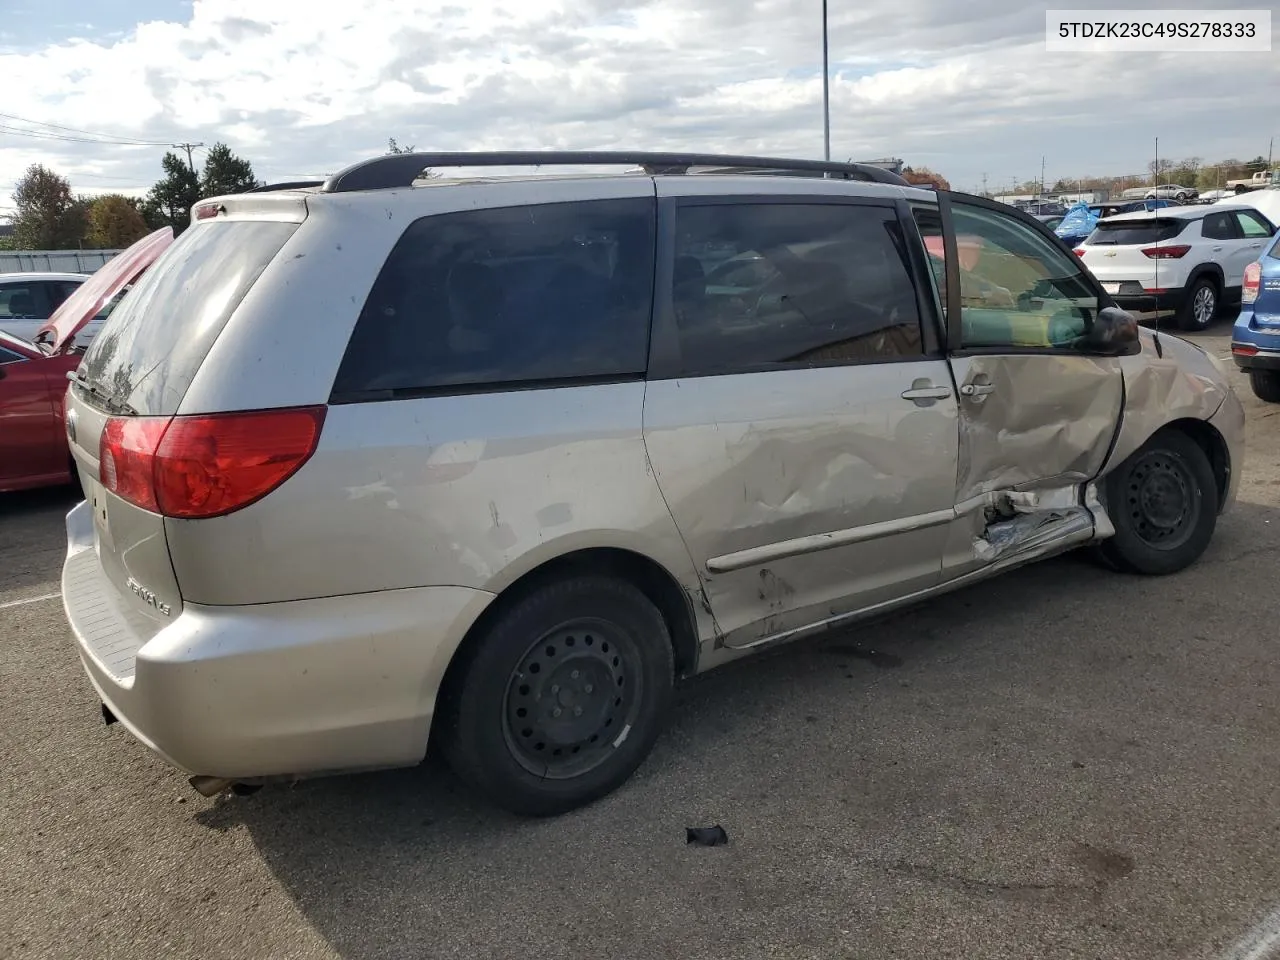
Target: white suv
(1184, 261)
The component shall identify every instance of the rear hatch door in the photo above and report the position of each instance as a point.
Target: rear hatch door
(1117, 253)
(139, 366)
(1266, 308)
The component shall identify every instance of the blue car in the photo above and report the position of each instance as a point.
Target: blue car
(1255, 339)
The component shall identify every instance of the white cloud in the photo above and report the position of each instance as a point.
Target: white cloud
(965, 87)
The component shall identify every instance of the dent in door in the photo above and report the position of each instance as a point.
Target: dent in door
(784, 470)
(1048, 422)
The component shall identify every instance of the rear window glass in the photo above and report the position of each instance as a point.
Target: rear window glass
(156, 337)
(1144, 231)
(517, 295)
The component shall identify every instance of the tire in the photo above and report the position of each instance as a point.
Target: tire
(1163, 501)
(1200, 307)
(606, 651)
(1265, 384)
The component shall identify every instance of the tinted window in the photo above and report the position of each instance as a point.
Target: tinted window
(1017, 288)
(8, 356)
(528, 294)
(826, 284)
(1127, 232)
(58, 292)
(1219, 226)
(157, 336)
(23, 301)
(1252, 225)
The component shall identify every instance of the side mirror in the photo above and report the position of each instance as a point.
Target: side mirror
(1114, 333)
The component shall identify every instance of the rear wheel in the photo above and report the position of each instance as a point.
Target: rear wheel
(1200, 307)
(1265, 384)
(562, 698)
(1163, 501)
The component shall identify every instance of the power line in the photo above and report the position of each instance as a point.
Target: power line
(67, 138)
(87, 133)
(187, 147)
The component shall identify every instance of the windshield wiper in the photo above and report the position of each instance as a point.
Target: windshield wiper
(113, 405)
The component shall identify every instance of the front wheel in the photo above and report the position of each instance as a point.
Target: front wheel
(1265, 384)
(562, 698)
(1163, 502)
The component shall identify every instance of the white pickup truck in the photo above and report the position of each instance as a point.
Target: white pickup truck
(1263, 178)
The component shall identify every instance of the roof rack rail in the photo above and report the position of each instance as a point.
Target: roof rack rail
(402, 169)
(286, 185)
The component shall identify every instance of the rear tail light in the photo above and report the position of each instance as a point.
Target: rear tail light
(1078, 251)
(1252, 282)
(1244, 349)
(205, 466)
(1175, 252)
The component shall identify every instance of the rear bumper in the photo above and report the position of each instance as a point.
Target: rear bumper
(1265, 340)
(297, 688)
(1152, 304)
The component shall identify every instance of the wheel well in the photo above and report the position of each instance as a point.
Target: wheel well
(1211, 442)
(1212, 271)
(648, 577)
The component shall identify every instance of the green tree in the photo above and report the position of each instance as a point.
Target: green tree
(48, 216)
(393, 147)
(225, 173)
(169, 202)
(114, 222)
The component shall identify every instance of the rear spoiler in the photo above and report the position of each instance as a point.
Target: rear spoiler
(283, 205)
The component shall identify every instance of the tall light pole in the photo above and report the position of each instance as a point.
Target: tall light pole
(826, 90)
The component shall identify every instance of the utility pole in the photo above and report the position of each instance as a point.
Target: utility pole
(984, 184)
(826, 90)
(1155, 167)
(188, 147)
(1042, 176)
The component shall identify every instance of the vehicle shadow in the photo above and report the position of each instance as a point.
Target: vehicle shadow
(819, 753)
(29, 556)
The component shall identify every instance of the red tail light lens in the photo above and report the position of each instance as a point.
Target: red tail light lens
(1252, 282)
(1078, 251)
(1175, 252)
(205, 466)
(1244, 349)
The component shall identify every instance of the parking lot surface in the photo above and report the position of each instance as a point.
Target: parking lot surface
(1065, 762)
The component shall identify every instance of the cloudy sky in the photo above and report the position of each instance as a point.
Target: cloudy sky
(98, 88)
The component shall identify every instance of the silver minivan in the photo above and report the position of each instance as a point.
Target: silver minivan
(489, 462)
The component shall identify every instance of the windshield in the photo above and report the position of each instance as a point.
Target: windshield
(155, 338)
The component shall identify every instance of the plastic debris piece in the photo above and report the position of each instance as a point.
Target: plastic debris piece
(706, 836)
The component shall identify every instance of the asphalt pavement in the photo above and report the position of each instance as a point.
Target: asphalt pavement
(1061, 763)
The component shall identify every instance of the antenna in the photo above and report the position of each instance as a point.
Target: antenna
(1155, 330)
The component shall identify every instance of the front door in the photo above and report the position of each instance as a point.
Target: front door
(1037, 415)
(800, 417)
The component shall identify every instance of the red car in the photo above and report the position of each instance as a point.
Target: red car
(33, 376)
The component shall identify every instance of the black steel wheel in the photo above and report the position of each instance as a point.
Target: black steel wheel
(575, 691)
(1163, 501)
(560, 698)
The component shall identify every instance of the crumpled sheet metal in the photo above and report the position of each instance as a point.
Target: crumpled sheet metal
(1183, 383)
(1038, 426)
